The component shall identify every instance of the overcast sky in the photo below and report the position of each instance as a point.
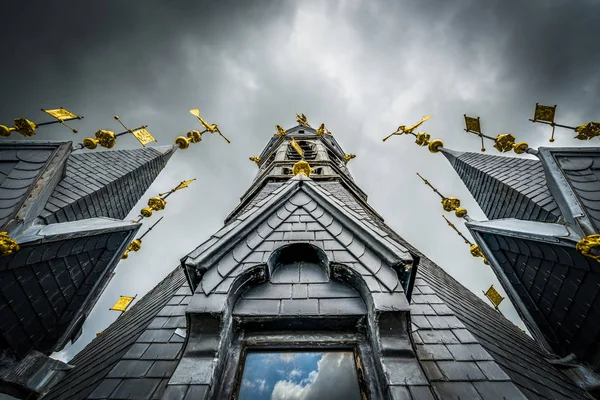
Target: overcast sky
(361, 67)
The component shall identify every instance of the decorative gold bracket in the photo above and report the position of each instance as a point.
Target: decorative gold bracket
(8, 245)
(503, 142)
(349, 157)
(255, 159)
(589, 246)
(322, 131)
(280, 131)
(192, 137)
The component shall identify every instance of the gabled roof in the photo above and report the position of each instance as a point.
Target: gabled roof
(574, 181)
(554, 287)
(505, 187)
(285, 216)
(105, 183)
(54, 279)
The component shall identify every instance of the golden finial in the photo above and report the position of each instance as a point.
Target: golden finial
(255, 159)
(495, 297)
(503, 142)
(8, 245)
(280, 131)
(158, 203)
(448, 203)
(588, 246)
(207, 127)
(473, 248)
(108, 139)
(349, 157)
(322, 131)
(27, 128)
(301, 119)
(546, 114)
(136, 244)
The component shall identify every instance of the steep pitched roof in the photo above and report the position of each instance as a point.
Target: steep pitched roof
(58, 269)
(298, 210)
(106, 183)
(506, 187)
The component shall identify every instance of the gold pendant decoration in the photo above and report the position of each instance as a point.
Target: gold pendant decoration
(143, 136)
(255, 159)
(349, 157)
(589, 247)
(135, 245)
(302, 167)
(192, 137)
(588, 131)
(280, 131)
(25, 127)
(453, 204)
(422, 138)
(154, 204)
(104, 138)
(476, 252)
(506, 142)
(8, 245)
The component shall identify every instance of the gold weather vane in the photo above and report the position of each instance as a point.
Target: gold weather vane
(495, 297)
(212, 128)
(503, 142)
(108, 139)
(158, 203)
(27, 128)
(280, 131)
(349, 157)
(136, 244)
(448, 203)
(546, 115)
(421, 138)
(322, 131)
(301, 120)
(123, 303)
(473, 248)
(255, 159)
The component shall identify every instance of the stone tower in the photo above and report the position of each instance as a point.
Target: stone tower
(305, 293)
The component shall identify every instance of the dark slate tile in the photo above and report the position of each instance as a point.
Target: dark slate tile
(136, 351)
(311, 273)
(130, 369)
(104, 389)
(432, 371)
(196, 392)
(162, 351)
(464, 336)
(330, 290)
(438, 336)
(400, 393)
(455, 391)
(421, 309)
(492, 371)
(300, 291)
(442, 309)
(404, 372)
(136, 388)
(155, 336)
(461, 371)
(421, 393)
(444, 322)
(161, 369)
(421, 322)
(469, 352)
(349, 306)
(269, 291)
(433, 352)
(300, 307)
(257, 307)
(498, 391)
(286, 275)
(160, 390)
(178, 321)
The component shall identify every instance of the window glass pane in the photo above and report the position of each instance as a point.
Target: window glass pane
(299, 376)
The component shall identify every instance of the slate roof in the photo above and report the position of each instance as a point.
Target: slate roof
(551, 283)
(135, 356)
(106, 183)
(45, 285)
(465, 348)
(21, 166)
(506, 187)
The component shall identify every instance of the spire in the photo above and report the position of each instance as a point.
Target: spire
(506, 187)
(105, 183)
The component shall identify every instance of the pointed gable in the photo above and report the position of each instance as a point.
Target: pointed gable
(506, 187)
(104, 184)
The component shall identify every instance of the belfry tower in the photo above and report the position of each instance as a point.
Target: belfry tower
(305, 293)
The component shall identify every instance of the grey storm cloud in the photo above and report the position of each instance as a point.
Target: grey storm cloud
(362, 67)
